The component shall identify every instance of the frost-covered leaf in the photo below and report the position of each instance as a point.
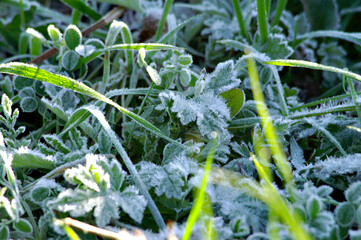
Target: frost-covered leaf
(276, 47)
(353, 193)
(223, 78)
(91, 176)
(55, 142)
(132, 203)
(27, 158)
(23, 225)
(345, 214)
(297, 158)
(79, 202)
(169, 179)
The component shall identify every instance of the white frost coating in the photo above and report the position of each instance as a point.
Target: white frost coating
(26, 150)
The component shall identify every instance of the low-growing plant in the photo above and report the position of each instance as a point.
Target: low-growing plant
(124, 119)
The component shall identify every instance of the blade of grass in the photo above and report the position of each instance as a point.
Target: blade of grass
(312, 65)
(199, 201)
(262, 20)
(163, 20)
(29, 71)
(237, 10)
(270, 131)
(281, 4)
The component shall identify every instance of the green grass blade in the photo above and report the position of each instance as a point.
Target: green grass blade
(237, 10)
(262, 20)
(163, 20)
(132, 4)
(312, 65)
(30, 71)
(270, 131)
(281, 4)
(198, 205)
(83, 8)
(351, 37)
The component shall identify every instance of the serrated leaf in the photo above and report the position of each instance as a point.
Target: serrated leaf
(297, 157)
(27, 158)
(91, 176)
(104, 142)
(54, 141)
(223, 78)
(79, 202)
(132, 203)
(6, 104)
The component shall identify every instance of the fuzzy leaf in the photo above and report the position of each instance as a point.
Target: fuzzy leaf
(345, 214)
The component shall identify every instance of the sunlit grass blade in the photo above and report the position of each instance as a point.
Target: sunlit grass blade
(201, 194)
(270, 131)
(312, 65)
(30, 71)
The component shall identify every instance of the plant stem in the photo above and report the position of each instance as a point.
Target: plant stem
(268, 7)
(163, 19)
(22, 15)
(106, 71)
(262, 20)
(281, 4)
(239, 15)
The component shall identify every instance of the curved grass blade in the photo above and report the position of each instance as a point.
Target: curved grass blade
(30, 71)
(128, 163)
(312, 65)
(351, 37)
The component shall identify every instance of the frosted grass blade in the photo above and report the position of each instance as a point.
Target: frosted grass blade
(30, 71)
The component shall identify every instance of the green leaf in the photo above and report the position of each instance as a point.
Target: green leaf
(6, 105)
(4, 232)
(313, 206)
(72, 37)
(28, 104)
(154, 75)
(23, 225)
(39, 194)
(70, 60)
(235, 100)
(54, 33)
(30, 71)
(32, 159)
(345, 214)
(353, 193)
